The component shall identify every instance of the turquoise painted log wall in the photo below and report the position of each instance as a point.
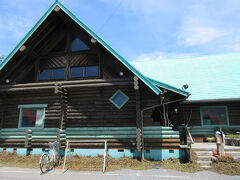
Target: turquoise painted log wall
(122, 137)
(160, 132)
(207, 130)
(101, 133)
(17, 133)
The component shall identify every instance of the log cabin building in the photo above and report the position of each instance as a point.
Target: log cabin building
(64, 82)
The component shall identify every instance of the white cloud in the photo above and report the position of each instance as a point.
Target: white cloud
(200, 35)
(15, 25)
(158, 55)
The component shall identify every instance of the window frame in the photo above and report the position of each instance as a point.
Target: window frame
(215, 125)
(84, 72)
(114, 95)
(31, 106)
(51, 79)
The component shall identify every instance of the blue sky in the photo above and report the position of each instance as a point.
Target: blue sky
(138, 29)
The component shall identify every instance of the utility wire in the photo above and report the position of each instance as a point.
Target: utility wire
(111, 15)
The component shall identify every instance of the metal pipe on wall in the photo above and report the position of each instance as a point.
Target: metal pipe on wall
(151, 107)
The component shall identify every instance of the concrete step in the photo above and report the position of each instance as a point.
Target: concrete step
(205, 166)
(204, 153)
(204, 163)
(236, 157)
(233, 152)
(234, 148)
(204, 158)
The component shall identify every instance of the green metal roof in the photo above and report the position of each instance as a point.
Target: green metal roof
(208, 77)
(151, 85)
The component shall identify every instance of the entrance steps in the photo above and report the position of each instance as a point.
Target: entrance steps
(204, 157)
(205, 154)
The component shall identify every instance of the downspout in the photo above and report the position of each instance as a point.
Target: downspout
(151, 107)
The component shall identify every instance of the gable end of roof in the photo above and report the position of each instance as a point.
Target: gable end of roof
(153, 87)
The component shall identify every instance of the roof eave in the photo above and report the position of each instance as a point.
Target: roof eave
(171, 88)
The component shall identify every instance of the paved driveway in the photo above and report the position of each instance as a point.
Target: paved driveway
(7, 173)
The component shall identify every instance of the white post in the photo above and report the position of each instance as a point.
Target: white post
(105, 154)
(65, 156)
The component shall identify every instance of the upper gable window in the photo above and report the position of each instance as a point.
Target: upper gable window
(61, 46)
(52, 74)
(78, 45)
(77, 72)
(45, 74)
(84, 71)
(91, 71)
(58, 73)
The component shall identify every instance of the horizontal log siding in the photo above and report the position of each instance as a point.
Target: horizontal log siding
(148, 99)
(157, 137)
(117, 137)
(1, 112)
(14, 137)
(184, 112)
(233, 112)
(11, 114)
(90, 107)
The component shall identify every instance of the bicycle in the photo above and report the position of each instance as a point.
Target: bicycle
(47, 159)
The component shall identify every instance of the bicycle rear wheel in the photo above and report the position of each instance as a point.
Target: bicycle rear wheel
(44, 163)
(58, 160)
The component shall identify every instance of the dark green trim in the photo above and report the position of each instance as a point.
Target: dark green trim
(122, 93)
(33, 106)
(216, 125)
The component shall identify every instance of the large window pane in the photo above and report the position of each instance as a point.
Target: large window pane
(78, 45)
(28, 117)
(45, 75)
(91, 71)
(39, 118)
(76, 72)
(214, 115)
(58, 73)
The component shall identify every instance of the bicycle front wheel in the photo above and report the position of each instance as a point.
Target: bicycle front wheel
(44, 163)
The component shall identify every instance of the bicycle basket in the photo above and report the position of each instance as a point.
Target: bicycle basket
(54, 145)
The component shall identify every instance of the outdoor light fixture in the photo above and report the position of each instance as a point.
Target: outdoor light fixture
(57, 8)
(121, 73)
(93, 40)
(7, 81)
(185, 86)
